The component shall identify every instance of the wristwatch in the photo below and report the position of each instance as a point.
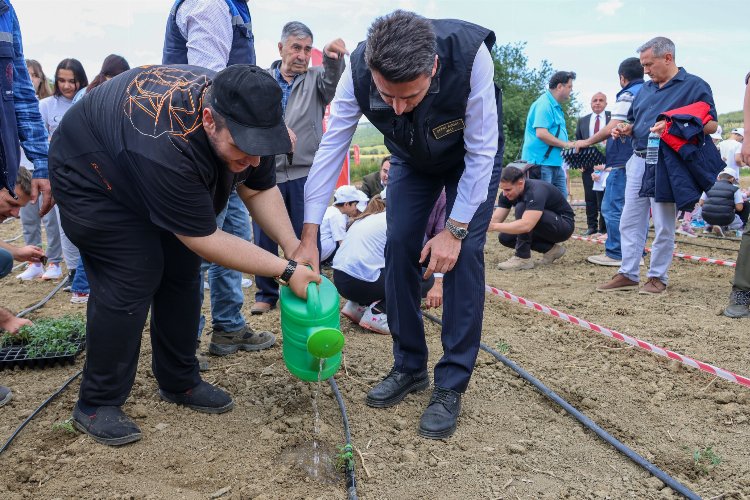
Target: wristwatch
(458, 232)
(283, 280)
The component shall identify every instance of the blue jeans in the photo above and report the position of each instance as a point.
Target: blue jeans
(226, 284)
(293, 193)
(80, 280)
(612, 205)
(555, 175)
(6, 262)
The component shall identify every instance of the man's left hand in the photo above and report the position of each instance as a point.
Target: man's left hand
(41, 186)
(659, 127)
(443, 250)
(335, 49)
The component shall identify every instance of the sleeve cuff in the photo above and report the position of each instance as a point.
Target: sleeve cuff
(438, 275)
(40, 170)
(314, 213)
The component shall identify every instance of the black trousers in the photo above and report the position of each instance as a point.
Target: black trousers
(594, 220)
(130, 272)
(551, 228)
(367, 292)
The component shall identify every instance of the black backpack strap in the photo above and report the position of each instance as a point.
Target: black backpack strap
(549, 149)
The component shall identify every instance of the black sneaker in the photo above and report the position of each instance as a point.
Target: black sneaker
(5, 395)
(224, 343)
(439, 419)
(738, 304)
(204, 397)
(109, 425)
(394, 387)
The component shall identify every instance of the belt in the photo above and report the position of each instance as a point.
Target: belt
(640, 154)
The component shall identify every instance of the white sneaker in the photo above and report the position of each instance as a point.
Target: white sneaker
(32, 271)
(604, 260)
(516, 263)
(376, 322)
(247, 282)
(79, 298)
(53, 272)
(353, 311)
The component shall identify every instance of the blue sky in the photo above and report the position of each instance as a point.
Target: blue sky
(590, 37)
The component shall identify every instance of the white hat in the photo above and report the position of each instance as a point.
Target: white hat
(717, 134)
(729, 171)
(739, 131)
(347, 193)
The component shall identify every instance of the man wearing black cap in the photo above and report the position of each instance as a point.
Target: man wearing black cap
(141, 167)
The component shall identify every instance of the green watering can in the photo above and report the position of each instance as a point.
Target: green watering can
(311, 331)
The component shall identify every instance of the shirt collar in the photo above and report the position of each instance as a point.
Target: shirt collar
(552, 99)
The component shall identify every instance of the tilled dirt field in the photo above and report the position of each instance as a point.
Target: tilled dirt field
(511, 442)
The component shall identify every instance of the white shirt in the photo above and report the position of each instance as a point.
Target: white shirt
(332, 230)
(728, 150)
(207, 27)
(480, 142)
(592, 122)
(362, 253)
(52, 109)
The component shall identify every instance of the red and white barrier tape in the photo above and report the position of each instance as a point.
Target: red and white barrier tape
(696, 258)
(685, 360)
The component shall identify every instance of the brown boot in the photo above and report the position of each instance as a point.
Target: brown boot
(617, 283)
(260, 308)
(653, 286)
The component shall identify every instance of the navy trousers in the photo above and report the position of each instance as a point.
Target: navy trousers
(411, 196)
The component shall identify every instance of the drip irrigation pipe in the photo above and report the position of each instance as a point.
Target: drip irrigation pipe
(45, 299)
(9, 219)
(11, 240)
(351, 484)
(41, 407)
(586, 421)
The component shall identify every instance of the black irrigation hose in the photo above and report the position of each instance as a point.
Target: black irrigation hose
(41, 407)
(45, 299)
(351, 484)
(586, 421)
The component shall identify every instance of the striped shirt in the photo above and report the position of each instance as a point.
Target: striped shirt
(286, 88)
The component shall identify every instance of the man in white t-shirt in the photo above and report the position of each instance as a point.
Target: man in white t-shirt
(348, 201)
(730, 149)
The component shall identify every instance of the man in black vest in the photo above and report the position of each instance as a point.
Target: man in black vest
(587, 127)
(427, 85)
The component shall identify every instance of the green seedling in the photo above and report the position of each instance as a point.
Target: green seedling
(704, 460)
(344, 458)
(503, 347)
(48, 336)
(64, 426)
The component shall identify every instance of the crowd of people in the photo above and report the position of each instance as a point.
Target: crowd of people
(142, 191)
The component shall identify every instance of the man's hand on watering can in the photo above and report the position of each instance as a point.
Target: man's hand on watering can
(302, 277)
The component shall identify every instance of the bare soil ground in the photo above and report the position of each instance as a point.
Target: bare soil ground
(511, 441)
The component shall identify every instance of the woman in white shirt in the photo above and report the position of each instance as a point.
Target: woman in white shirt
(358, 269)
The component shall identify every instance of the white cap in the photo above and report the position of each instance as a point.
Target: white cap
(739, 131)
(729, 171)
(717, 134)
(347, 193)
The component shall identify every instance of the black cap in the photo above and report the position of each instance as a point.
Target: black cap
(250, 101)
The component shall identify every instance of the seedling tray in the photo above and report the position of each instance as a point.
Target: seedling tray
(17, 356)
(48, 342)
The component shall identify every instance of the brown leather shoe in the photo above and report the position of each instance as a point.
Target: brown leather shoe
(261, 307)
(617, 283)
(653, 286)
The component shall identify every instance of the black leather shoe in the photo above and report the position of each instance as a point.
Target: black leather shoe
(439, 419)
(589, 232)
(204, 397)
(109, 425)
(395, 386)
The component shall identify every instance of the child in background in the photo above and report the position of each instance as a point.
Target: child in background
(723, 206)
(348, 202)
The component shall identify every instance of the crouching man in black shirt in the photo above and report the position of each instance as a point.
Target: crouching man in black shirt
(543, 220)
(140, 167)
